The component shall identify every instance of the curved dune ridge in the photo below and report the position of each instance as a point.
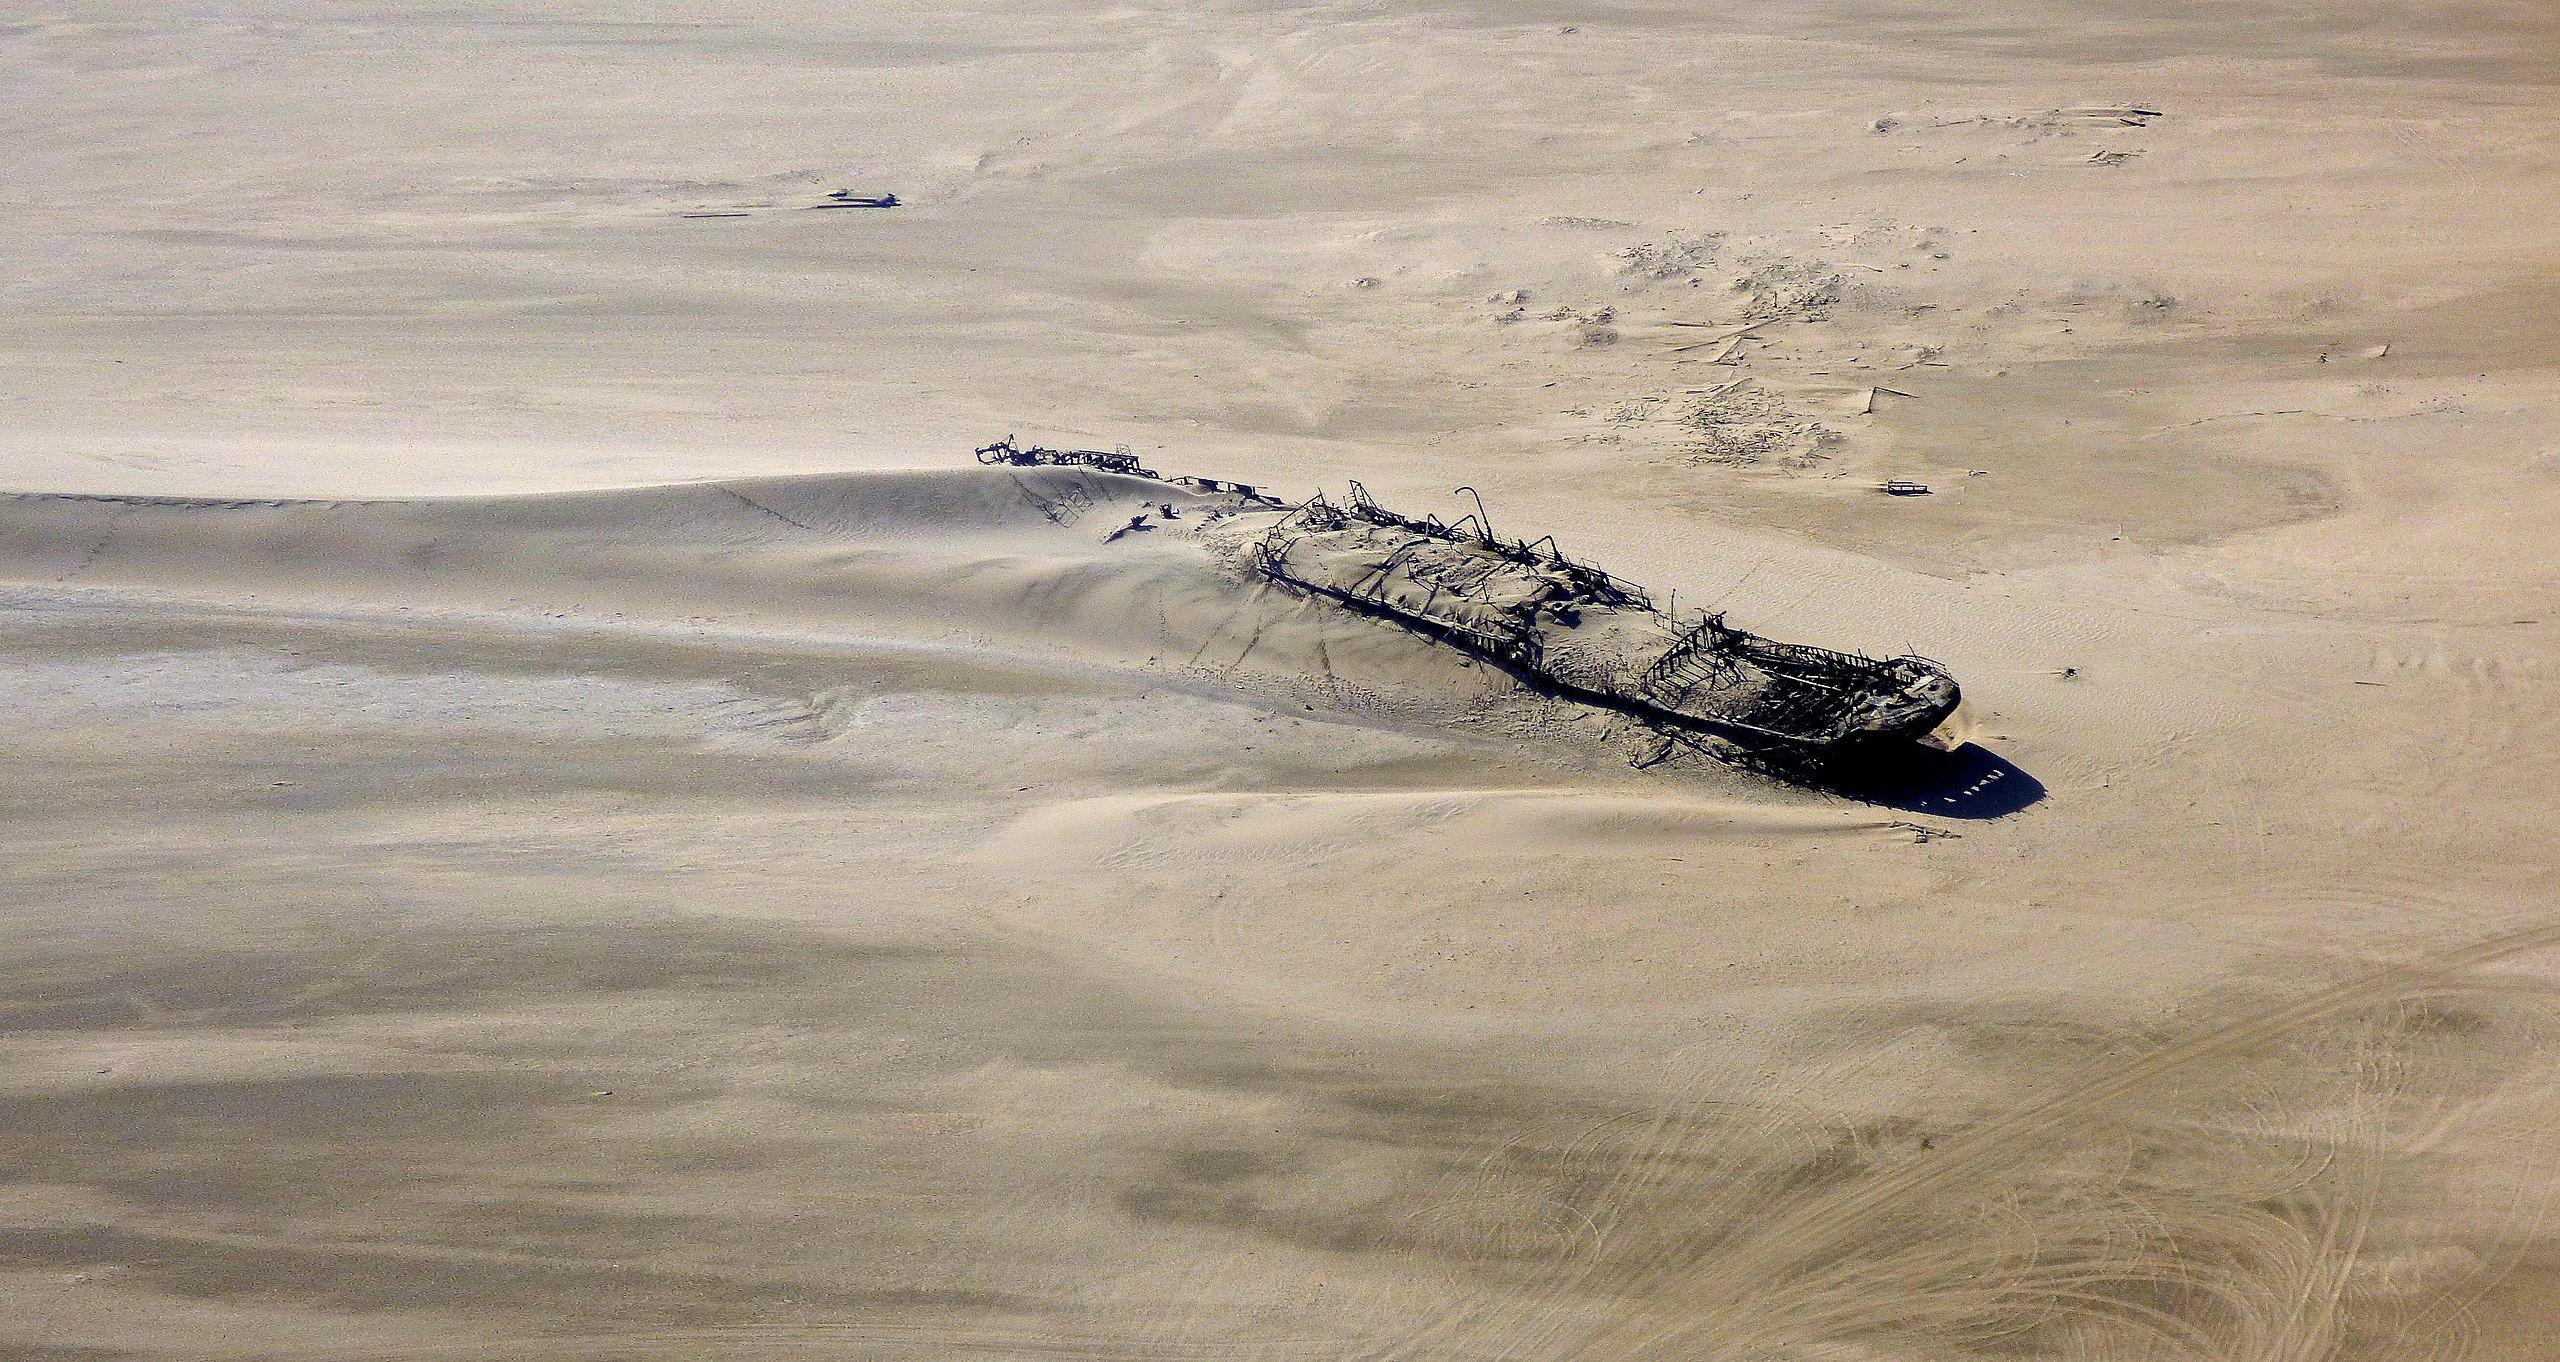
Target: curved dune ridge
(921, 916)
(1063, 562)
(957, 513)
(1026, 557)
(908, 915)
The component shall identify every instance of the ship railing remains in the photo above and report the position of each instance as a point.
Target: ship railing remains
(1698, 655)
(1821, 694)
(1801, 714)
(1243, 489)
(1690, 644)
(1597, 585)
(1804, 660)
(1518, 643)
(1005, 451)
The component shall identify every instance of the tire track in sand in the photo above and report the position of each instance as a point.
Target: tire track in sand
(1759, 1272)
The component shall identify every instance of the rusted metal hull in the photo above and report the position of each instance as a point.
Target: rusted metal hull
(1571, 628)
(1574, 630)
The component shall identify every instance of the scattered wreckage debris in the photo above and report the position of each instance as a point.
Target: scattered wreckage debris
(1576, 630)
(2131, 116)
(1876, 391)
(841, 198)
(1121, 461)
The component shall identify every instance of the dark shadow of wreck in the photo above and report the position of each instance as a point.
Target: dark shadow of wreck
(1968, 782)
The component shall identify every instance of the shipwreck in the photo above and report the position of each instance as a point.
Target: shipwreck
(1574, 629)
(1121, 461)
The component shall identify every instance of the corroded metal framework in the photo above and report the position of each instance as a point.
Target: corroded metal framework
(1120, 461)
(1571, 627)
(1513, 642)
(1005, 451)
(1600, 586)
(1521, 602)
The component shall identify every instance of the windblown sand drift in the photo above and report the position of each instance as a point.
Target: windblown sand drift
(544, 885)
(917, 917)
(799, 545)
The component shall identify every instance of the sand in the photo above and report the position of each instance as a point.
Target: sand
(556, 813)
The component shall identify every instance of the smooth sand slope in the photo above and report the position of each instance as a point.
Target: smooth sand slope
(553, 813)
(673, 921)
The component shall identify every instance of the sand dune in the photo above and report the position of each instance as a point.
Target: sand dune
(932, 554)
(836, 766)
(554, 813)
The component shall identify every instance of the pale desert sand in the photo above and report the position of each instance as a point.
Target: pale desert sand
(554, 813)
